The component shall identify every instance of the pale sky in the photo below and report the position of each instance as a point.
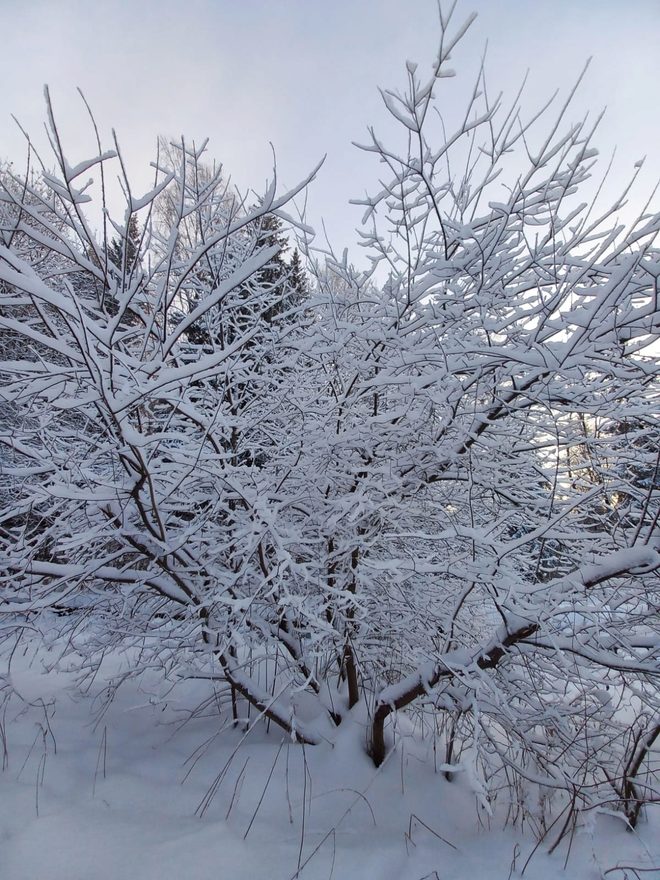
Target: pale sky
(303, 74)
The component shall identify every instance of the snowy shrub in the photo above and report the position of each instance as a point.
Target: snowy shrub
(409, 489)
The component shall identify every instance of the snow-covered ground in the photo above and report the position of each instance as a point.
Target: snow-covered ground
(154, 786)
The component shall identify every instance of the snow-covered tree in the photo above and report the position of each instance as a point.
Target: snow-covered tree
(388, 495)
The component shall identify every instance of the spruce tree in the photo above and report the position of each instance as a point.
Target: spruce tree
(124, 251)
(297, 279)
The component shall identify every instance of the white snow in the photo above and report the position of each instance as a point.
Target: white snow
(151, 786)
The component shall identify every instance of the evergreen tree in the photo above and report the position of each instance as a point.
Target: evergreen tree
(286, 282)
(297, 278)
(124, 251)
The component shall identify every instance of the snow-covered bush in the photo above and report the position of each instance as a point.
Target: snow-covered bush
(399, 494)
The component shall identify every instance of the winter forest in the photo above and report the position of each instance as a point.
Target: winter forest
(315, 571)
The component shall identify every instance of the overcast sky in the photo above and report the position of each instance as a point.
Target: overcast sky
(303, 74)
